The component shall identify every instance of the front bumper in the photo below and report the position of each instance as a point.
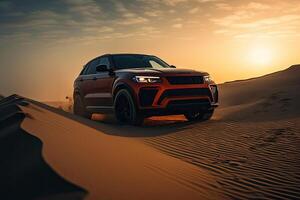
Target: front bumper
(169, 98)
(178, 109)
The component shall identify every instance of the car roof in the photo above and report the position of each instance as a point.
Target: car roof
(126, 54)
(116, 54)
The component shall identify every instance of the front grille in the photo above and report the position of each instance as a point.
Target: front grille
(178, 80)
(147, 95)
(188, 102)
(185, 92)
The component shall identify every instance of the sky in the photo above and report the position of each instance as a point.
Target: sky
(44, 44)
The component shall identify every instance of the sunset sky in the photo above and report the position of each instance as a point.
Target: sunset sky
(44, 44)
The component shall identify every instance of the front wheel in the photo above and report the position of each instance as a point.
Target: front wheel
(199, 115)
(125, 109)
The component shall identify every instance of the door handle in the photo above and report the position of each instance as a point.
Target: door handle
(94, 78)
(81, 79)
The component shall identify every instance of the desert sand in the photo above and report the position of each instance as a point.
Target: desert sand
(249, 150)
(252, 143)
(24, 174)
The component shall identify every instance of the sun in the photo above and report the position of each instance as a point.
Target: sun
(260, 55)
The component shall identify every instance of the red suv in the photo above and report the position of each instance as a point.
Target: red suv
(135, 86)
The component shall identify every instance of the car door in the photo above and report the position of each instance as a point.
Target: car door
(102, 87)
(87, 82)
(80, 85)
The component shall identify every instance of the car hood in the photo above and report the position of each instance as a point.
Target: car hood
(161, 71)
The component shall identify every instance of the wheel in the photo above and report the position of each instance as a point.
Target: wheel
(79, 108)
(199, 115)
(126, 110)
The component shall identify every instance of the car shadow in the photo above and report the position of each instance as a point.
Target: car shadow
(151, 127)
(105, 123)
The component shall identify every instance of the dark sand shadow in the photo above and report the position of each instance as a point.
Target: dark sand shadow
(23, 172)
(151, 127)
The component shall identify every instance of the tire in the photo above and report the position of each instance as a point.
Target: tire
(125, 109)
(79, 108)
(199, 115)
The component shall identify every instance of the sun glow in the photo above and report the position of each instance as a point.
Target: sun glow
(260, 55)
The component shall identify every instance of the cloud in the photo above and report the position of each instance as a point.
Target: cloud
(178, 19)
(102, 29)
(242, 12)
(194, 10)
(41, 25)
(223, 6)
(5, 5)
(39, 20)
(255, 19)
(81, 19)
(207, 1)
(153, 13)
(133, 20)
(257, 6)
(177, 25)
(99, 19)
(86, 8)
(173, 2)
(272, 21)
(128, 17)
(233, 18)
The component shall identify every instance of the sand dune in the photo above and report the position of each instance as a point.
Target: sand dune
(260, 86)
(114, 167)
(252, 144)
(107, 167)
(249, 150)
(23, 172)
(270, 97)
(251, 160)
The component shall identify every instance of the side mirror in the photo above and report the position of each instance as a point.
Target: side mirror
(102, 68)
(172, 66)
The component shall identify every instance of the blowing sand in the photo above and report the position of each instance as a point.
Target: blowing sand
(249, 150)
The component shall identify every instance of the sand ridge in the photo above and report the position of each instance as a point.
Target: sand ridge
(114, 167)
(24, 174)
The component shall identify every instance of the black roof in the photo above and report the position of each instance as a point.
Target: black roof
(124, 54)
(117, 55)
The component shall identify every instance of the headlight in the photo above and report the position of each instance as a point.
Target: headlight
(207, 79)
(147, 79)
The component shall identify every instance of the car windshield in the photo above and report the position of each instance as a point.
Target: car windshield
(138, 61)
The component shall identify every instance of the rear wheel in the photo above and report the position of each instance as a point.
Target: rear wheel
(199, 115)
(125, 109)
(79, 108)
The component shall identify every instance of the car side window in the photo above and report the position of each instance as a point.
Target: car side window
(91, 68)
(84, 70)
(104, 61)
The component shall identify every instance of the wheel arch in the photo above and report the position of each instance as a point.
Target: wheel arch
(121, 85)
(77, 92)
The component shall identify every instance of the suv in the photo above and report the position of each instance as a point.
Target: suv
(135, 86)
